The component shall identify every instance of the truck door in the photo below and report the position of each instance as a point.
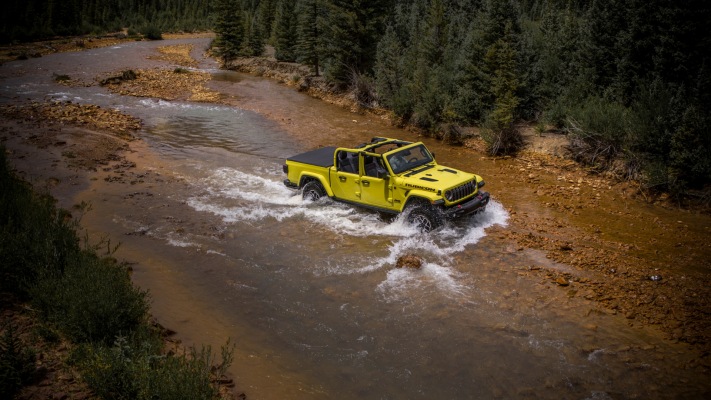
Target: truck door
(345, 179)
(375, 183)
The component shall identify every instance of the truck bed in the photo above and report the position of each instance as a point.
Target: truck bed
(322, 157)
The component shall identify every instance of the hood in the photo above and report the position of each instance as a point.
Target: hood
(435, 178)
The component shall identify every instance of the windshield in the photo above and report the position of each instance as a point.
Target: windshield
(409, 158)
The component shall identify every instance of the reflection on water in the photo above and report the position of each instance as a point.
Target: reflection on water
(311, 288)
(189, 125)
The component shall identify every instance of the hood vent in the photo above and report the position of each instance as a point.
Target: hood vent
(451, 171)
(429, 179)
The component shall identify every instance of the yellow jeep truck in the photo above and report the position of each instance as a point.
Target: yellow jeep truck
(391, 176)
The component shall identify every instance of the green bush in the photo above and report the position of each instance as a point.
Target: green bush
(151, 32)
(598, 129)
(35, 237)
(501, 139)
(93, 300)
(134, 368)
(690, 163)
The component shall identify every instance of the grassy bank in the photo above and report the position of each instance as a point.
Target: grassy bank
(81, 297)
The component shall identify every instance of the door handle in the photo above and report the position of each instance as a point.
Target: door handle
(342, 178)
(366, 183)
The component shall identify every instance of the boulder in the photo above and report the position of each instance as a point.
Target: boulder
(409, 261)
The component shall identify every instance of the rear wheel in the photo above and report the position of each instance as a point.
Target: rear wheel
(426, 218)
(313, 191)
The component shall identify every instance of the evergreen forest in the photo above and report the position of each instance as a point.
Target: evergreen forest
(23, 20)
(629, 81)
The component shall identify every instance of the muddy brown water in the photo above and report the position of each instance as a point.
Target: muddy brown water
(308, 292)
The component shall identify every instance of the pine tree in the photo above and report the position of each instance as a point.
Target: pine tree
(312, 16)
(355, 28)
(229, 28)
(501, 59)
(266, 12)
(390, 74)
(253, 38)
(285, 34)
(429, 82)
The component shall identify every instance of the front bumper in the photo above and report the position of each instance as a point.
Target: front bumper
(472, 206)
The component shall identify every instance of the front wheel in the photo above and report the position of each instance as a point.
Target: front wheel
(425, 218)
(313, 191)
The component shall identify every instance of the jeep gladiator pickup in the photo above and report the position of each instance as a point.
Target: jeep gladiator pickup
(391, 176)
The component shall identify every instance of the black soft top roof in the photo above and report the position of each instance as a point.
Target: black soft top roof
(322, 157)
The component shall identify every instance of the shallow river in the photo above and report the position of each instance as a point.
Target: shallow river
(308, 292)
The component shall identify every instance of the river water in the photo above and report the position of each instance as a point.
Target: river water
(309, 292)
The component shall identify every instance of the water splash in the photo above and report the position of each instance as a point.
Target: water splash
(237, 197)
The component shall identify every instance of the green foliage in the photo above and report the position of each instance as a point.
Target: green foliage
(135, 368)
(285, 31)
(38, 19)
(310, 43)
(152, 32)
(229, 28)
(35, 237)
(17, 362)
(351, 38)
(92, 300)
(599, 131)
(690, 163)
(391, 74)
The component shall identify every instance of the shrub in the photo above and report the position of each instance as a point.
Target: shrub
(92, 300)
(690, 164)
(501, 138)
(134, 368)
(151, 32)
(35, 237)
(598, 131)
(362, 88)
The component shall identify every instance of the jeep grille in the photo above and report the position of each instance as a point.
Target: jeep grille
(460, 192)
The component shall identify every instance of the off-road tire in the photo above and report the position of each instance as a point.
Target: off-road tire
(425, 217)
(313, 191)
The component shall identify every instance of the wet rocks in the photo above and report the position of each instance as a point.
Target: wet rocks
(561, 281)
(127, 75)
(177, 84)
(83, 115)
(409, 261)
